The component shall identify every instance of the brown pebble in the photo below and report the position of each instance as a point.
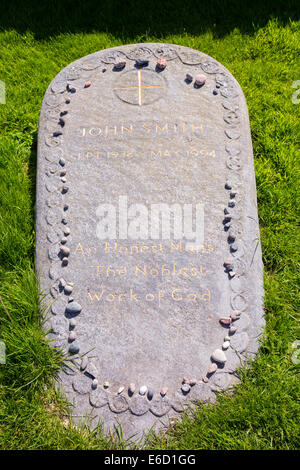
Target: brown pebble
(204, 379)
(232, 330)
(228, 262)
(186, 380)
(235, 314)
(163, 391)
(193, 382)
(212, 369)
(161, 63)
(131, 388)
(225, 320)
(120, 64)
(65, 250)
(72, 336)
(87, 84)
(200, 79)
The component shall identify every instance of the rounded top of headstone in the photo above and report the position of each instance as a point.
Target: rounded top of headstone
(148, 59)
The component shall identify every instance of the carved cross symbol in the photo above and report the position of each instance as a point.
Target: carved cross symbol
(138, 97)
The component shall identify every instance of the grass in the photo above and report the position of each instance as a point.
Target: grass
(259, 44)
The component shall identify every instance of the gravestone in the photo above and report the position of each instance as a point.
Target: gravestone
(147, 236)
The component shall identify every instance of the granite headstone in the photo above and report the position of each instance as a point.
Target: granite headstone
(147, 235)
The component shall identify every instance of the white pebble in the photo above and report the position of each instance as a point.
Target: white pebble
(219, 356)
(143, 390)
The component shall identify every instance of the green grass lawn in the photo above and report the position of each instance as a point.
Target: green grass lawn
(258, 43)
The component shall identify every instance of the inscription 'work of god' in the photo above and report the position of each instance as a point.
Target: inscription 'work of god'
(147, 236)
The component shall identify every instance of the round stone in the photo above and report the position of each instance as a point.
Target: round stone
(63, 241)
(219, 356)
(142, 61)
(235, 314)
(225, 320)
(164, 391)
(106, 384)
(94, 383)
(87, 84)
(212, 369)
(120, 64)
(57, 133)
(68, 290)
(215, 91)
(143, 390)
(150, 394)
(74, 308)
(74, 348)
(67, 231)
(71, 88)
(189, 77)
(131, 389)
(193, 382)
(65, 261)
(62, 282)
(226, 345)
(186, 388)
(62, 162)
(227, 262)
(72, 323)
(120, 390)
(72, 336)
(200, 79)
(161, 63)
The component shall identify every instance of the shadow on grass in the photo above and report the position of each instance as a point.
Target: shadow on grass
(143, 18)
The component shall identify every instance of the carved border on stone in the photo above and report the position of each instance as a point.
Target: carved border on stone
(57, 101)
